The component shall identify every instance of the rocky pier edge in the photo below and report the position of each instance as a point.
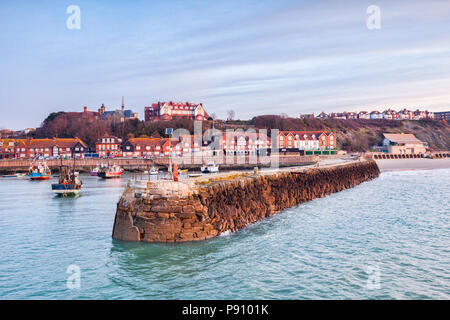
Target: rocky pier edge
(200, 209)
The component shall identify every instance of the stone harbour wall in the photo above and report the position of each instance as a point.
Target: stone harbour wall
(167, 211)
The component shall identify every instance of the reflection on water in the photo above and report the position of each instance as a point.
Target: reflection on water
(396, 225)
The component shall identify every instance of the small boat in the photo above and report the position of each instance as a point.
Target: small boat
(210, 168)
(153, 171)
(109, 172)
(194, 175)
(95, 171)
(9, 176)
(20, 175)
(68, 184)
(39, 171)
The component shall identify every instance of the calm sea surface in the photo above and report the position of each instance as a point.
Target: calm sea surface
(388, 238)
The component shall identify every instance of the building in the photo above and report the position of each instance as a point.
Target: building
(351, 115)
(245, 143)
(172, 110)
(148, 147)
(445, 115)
(322, 115)
(363, 115)
(46, 148)
(339, 115)
(306, 116)
(390, 114)
(109, 146)
(306, 140)
(376, 115)
(405, 115)
(402, 143)
(122, 114)
(10, 147)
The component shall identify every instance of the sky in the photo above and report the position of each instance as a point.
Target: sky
(253, 57)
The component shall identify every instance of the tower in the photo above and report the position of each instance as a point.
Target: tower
(123, 104)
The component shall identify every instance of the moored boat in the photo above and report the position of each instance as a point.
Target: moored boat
(95, 171)
(153, 171)
(109, 172)
(68, 183)
(39, 171)
(210, 168)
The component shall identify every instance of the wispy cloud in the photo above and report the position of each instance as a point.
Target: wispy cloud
(253, 56)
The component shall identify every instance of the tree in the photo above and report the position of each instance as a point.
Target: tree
(231, 115)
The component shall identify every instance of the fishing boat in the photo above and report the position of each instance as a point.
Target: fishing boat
(39, 171)
(109, 172)
(68, 183)
(210, 168)
(153, 171)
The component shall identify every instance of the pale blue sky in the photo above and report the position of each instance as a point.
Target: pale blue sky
(256, 57)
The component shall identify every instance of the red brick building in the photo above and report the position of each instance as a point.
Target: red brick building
(35, 148)
(169, 110)
(148, 147)
(109, 146)
(306, 140)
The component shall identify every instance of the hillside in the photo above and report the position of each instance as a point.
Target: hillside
(360, 134)
(352, 135)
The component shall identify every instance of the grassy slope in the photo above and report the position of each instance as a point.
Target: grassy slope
(361, 135)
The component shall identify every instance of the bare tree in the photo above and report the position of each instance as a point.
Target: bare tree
(230, 114)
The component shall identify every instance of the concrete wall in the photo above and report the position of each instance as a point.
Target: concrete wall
(192, 211)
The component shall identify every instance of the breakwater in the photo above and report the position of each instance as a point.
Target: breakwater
(199, 209)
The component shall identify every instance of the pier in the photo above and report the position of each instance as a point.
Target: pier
(201, 208)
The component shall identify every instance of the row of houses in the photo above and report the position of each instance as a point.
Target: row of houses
(216, 143)
(35, 148)
(230, 143)
(388, 114)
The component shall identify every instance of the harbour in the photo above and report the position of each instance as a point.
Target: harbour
(326, 245)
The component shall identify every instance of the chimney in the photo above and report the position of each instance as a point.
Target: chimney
(123, 104)
(85, 109)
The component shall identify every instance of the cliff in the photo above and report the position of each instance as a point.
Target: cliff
(167, 211)
(362, 134)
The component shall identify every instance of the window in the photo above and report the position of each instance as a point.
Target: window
(67, 149)
(128, 147)
(138, 148)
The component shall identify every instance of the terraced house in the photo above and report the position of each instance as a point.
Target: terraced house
(47, 148)
(148, 147)
(109, 146)
(304, 141)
